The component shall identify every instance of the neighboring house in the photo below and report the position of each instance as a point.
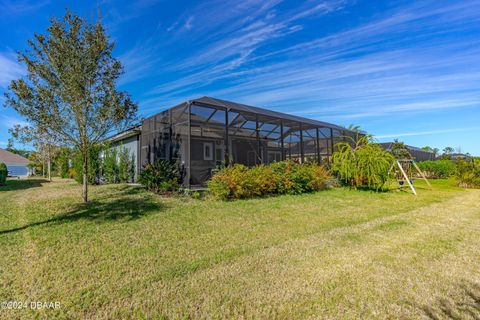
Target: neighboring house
(418, 154)
(205, 133)
(460, 156)
(17, 165)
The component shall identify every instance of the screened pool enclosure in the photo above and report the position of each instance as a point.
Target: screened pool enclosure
(205, 133)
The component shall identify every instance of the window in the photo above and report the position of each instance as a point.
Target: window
(207, 151)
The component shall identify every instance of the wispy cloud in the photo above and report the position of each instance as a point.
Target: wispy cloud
(134, 9)
(345, 75)
(9, 122)
(137, 63)
(9, 69)
(189, 23)
(17, 7)
(425, 133)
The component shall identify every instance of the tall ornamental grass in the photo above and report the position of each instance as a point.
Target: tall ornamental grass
(361, 163)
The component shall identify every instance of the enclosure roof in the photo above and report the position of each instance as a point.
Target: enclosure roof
(246, 108)
(12, 159)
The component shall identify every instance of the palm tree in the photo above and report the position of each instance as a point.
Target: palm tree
(448, 150)
(354, 128)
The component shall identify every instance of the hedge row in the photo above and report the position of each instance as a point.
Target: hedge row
(3, 173)
(285, 177)
(438, 169)
(468, 173)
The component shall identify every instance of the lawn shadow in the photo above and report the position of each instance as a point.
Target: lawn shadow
(124, 206)
(366, 189)
(21, 184)
(465, 307)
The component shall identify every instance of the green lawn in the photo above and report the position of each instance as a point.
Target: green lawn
(333, 254)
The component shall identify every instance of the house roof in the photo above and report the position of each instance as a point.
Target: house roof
(135, 131)
(12, 159)
(246, 108)
(388, 146)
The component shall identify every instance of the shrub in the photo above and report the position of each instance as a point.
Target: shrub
(94, 165)
(285, 177)
(438, 169)
(117, 165)
(62, 161)
(110, 166)
(3, 174)
(72, 173)
(126, 166)
(468, 173)
(160, 177)
(362, 164)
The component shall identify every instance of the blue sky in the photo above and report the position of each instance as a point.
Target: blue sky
(399, 69)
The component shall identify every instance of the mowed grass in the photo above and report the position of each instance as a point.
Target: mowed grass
(333, 254)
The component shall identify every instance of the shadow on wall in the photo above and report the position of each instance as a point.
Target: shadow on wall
(21, 184)
(466, 307)
(122, 205)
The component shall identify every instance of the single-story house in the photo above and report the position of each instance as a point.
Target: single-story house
(418, 154)
(204, 133)
(17, 165)
(460, 156)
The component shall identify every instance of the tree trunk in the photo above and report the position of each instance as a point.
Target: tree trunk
(49, 167)
(85, 178)
(43, 168)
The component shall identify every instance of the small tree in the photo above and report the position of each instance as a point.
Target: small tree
(43, 142)
(399, 150)
(448, 150)
(70, 90)
(447, 153)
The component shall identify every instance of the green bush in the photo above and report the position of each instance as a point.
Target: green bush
(468, 173)
(110, 166)
(3, 174)
(62, 162)
(106, 164)
(438, 169)
(362, 164)
(94, 165)
(160, 177)
(126, 166)
(285, 177)
(117, 165)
